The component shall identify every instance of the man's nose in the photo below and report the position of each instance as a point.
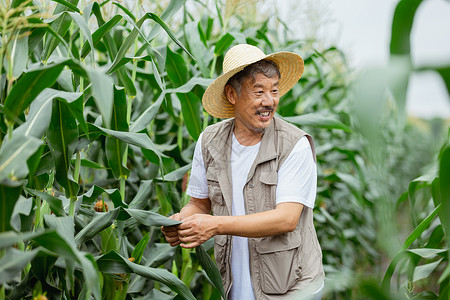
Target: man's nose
(268, 100)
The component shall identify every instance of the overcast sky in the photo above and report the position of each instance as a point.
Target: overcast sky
(362, 29)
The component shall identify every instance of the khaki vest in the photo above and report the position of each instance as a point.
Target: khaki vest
(283, 266)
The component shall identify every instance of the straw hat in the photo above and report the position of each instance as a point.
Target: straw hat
(237, 58)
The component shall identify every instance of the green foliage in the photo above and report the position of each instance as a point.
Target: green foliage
(100, 111)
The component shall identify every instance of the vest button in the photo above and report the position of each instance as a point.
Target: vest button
(250, 184)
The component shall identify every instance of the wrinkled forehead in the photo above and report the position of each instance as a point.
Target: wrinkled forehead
(261, 80)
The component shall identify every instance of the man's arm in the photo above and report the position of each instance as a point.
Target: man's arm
(194, 206)
(200, 227)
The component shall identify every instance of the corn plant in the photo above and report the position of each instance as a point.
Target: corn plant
(83, 161)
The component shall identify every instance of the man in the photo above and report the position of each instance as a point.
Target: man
(257, 175)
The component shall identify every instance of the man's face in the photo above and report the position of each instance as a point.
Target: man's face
(255, 107)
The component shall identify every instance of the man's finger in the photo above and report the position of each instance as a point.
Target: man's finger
(169, 228)
(171, 234)
(176, 217)
(171, 240)
(188, 239)
(185, 232)
(173, 244)
(190, 245)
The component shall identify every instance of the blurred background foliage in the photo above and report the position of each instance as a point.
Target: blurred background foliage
(100, 111)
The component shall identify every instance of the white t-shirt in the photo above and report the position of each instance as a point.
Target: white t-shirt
(297, 182)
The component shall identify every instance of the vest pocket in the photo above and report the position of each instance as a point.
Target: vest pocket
(214, 191)
(268, 188)
(279, 262)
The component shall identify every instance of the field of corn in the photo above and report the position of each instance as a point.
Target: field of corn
(100, 110)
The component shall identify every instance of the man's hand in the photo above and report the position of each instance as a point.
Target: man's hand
(171, 232)
(197, 229)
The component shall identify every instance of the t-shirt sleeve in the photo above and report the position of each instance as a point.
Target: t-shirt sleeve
(198, 185)
(297, 176)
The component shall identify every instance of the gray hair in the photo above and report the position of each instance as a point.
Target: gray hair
(266, 67)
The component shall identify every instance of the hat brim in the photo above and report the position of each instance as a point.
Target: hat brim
(215, 102)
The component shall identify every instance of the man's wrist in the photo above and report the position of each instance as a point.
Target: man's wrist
(219, 222)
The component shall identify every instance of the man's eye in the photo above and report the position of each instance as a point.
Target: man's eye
(274, 91)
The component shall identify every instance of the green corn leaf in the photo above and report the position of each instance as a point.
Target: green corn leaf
(188, 86)
(9, 194)
(143, 195)
(62, 139)
(10, 238)
(60, 26)
(444, 179)
(223, 44)
(317, 120)
(90, 164)
(115, 148)
(22, 218)
(129, 41)
(167, 14)
(202, 53)
(84, 29)
(211, 269)
(201, 33)
(112, 262)
(401, 26)
(138, 251)
(445, 74)
(95, 191)
(41, 110)
(64, 226)
(402, 252)
(99, 34)
(68, 5)
(423, 271)
(124, 78)
(137, 139)
(98, 223)
(168, 31)
(14, 154)
(209, 28)
(109, 240)
(37, 35)
(192, 110)
(159, 253)
(176, 175)
(102, 90)
(58, 244)
(125, 10)
(426, 252)
(12, 262)
(444, 214)
(157, 294)
(18, 50)
(190, 102)
(127, 59)
(157, 76)
(147, 116)
(28, 87)
(176, 68)
(42, 264)
(56, 204)
(149, 218)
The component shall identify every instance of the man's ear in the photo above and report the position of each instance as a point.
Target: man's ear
(230, 92)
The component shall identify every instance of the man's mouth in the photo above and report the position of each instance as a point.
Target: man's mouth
(264, 112)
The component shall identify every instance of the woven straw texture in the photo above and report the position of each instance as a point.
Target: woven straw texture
(236, 59)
